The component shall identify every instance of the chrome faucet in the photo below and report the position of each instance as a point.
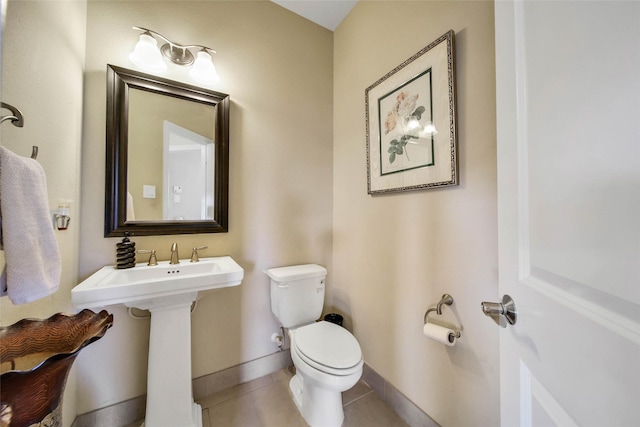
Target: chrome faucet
(175, 259)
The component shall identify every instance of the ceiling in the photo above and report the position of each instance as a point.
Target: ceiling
(327, 13)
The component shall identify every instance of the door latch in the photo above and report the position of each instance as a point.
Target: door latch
(502, 313)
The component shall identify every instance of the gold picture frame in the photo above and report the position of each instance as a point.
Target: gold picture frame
(411, 123)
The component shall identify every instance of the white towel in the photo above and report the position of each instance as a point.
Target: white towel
(33, 264)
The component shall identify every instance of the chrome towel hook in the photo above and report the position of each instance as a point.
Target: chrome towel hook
(16, 116)
(17, 119)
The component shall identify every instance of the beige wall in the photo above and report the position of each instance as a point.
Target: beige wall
(395, 255)
(280, 183)
(42, 75)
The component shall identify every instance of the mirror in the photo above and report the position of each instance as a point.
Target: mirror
(167, 169)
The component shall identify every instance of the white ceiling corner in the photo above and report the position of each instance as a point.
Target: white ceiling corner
(327, 13)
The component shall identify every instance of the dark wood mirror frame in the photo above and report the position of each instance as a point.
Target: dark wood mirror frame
(119, 81)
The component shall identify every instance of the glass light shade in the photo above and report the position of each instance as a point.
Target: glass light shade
(146, 54)
(203, 70)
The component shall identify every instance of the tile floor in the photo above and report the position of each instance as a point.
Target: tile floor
(266, 402)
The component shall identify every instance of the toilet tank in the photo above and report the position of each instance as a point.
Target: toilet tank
(297, 293)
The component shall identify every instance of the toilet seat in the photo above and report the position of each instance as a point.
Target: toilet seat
(328, 348)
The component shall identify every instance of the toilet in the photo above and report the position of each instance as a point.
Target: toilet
(327, 357)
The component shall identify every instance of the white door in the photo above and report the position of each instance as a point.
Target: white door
(568, 109)
(188, 174)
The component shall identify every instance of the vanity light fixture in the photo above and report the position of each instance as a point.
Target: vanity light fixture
(148, 56)
(203, 70)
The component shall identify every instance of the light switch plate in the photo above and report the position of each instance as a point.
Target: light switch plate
(149, 191)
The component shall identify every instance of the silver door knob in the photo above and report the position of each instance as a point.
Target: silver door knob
(502, 313)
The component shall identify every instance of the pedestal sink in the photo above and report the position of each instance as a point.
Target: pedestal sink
(167, 291)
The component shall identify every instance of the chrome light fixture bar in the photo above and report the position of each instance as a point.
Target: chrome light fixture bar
(146, 55)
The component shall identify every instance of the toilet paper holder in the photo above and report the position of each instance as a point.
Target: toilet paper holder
(445, 300)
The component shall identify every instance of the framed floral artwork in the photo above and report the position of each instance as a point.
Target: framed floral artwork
(411, 123)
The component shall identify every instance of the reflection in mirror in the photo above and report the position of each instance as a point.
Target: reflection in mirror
(167, 156)
(171, 154)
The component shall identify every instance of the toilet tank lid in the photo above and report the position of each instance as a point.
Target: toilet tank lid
(296, 272)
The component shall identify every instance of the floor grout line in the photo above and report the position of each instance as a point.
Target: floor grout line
(242, 393)
(357, 398)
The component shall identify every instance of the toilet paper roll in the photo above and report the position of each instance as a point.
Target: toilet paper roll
(440, 334)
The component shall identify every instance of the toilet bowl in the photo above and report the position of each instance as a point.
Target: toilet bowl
(327, 357)
(328, 361)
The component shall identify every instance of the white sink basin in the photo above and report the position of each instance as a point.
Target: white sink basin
(134, 286)
(168, 292)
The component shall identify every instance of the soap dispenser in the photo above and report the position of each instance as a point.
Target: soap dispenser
(125, 253)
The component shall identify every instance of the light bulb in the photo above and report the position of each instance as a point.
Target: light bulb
(146, 54)
(203, 70)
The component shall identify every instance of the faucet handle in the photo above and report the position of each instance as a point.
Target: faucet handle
(175, 258)
(194, 253)
(152, 258)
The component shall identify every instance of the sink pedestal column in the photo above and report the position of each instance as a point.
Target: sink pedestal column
(169, 392)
